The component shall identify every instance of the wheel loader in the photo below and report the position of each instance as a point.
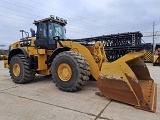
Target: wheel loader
(156, 56)
(71, 63)
(3, 57)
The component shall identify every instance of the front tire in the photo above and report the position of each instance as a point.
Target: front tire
(19, 70)
(70, 71)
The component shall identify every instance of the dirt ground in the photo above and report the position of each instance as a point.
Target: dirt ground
(42, 100)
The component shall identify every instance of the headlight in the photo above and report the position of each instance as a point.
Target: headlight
(58, 19)
(25, 43)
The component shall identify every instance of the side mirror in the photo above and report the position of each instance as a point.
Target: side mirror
(32, 32)
(56, 38)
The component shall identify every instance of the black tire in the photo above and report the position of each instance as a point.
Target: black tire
(26, 74)
(79, 67)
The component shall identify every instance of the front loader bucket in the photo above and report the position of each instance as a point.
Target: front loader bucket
(128, 80)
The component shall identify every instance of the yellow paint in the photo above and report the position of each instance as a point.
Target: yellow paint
(41, 62)
(64, 72)
(16, 69)
(130, 56)
(41, 51)
(33, 51)
(6, 64)
(155, 59)
(44, 72)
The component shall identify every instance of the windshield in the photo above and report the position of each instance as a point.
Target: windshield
(56, 30)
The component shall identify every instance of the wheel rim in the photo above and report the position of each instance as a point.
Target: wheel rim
(64, 72)
(16, 69)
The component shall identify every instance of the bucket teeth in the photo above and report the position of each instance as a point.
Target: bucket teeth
(149, 90)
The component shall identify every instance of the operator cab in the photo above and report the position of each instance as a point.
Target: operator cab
(47, 30)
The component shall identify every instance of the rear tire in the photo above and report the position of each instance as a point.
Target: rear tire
(19, 70)
(75, 73)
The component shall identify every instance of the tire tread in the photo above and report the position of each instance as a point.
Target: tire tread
(28, 75)
(83, 67)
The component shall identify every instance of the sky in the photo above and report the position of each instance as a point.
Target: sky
(86, 18)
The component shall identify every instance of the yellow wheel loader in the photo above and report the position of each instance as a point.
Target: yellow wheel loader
(3, 57)
(156, 56)
(71, 63)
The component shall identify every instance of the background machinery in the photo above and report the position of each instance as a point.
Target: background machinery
(117, 45)
(156, 57)
(3, 53)
(3, 57)
(152, 55)
(71, 62)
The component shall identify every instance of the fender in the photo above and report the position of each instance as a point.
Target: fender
(55, 52)
(17, 51)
